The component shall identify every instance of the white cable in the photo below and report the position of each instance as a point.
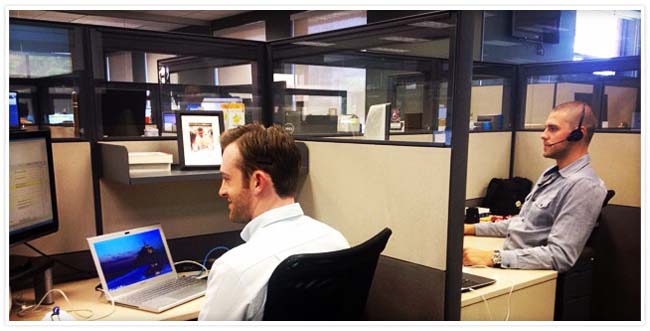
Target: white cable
(35, 308)
(512, 287)
(110, 297)
(486, 304)
(194, 262)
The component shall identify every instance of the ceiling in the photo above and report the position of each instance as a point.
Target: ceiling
(153, 20)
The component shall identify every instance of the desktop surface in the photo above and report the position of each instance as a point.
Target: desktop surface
(82, 295)
(533, 291)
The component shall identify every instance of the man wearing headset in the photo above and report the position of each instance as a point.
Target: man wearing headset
(560, 212)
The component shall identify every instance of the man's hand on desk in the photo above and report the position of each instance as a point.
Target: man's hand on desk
(469, 229)
(473, 256)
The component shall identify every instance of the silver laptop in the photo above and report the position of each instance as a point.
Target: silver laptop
(135, 267)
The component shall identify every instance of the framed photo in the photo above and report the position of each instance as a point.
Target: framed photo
(198, 139)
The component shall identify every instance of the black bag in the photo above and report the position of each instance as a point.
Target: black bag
(505, 196)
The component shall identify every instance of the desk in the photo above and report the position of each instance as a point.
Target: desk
(82, 295)
(533, 295)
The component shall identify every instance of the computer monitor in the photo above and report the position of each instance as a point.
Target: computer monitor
(32, 193)
(14, 118)
(169, 122)
(123, 112)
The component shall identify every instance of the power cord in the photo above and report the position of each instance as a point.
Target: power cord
(487, 305)
(59, 261)
(205, 259)
(56, 310)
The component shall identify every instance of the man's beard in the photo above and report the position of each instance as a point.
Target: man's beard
(240, 212)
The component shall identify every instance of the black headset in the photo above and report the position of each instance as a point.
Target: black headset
(577, 134)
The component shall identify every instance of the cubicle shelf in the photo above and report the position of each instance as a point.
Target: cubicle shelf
(115, 167)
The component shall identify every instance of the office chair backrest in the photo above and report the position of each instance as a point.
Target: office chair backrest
(327, 286)
(574, 287)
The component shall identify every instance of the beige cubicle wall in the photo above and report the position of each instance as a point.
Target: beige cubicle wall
(486, 100)
(488, 157)
(74, 196)
(183, 208)
(360, 189)
(566, 92)
(539, 102)
(423, 138)
(615, 156)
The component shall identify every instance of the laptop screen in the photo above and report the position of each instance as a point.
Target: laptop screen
(130, 259)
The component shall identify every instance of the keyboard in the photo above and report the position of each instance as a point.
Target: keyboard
(176, 288)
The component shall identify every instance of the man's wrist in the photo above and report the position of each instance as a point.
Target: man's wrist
(496, 259)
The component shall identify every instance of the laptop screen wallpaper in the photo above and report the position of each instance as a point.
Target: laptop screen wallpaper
(133, 258)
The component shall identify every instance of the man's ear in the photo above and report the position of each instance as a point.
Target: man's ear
(260, 180)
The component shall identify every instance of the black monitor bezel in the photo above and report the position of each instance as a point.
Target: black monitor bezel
(50, 227)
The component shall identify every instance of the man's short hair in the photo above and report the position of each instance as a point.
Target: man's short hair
(590, 122)
(271, 150)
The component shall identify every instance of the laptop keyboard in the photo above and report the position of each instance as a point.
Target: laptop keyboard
(177, 288)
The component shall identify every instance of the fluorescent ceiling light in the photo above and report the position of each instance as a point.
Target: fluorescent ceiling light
(500, 43)
(432, 25)
(604, 73)
(386, 49)
(314, 43)
(405, 39)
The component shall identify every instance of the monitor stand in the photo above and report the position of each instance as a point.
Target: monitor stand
(39, 269)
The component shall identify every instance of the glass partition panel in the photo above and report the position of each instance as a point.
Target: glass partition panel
(182, 74)
(621, 102)
(545, 92)
(610, 87)
(327, 84)
(45, 66)
(492, 94)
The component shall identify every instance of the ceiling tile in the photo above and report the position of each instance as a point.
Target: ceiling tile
(155, 26)
(210, 15)
(26, 13)
(110, 21)
(60, 17)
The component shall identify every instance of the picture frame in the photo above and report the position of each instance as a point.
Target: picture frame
(198, 139)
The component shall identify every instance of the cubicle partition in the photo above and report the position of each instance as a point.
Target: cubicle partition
(488, 157)
(361, 188)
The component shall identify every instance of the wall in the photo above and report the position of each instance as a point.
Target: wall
(619, 168)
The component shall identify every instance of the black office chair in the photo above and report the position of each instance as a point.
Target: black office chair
(575, 286)
(331, 286)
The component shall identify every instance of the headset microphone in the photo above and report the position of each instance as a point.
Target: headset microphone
(576, 134)
(561, 141)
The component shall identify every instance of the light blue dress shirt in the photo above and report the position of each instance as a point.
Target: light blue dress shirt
(555, 221)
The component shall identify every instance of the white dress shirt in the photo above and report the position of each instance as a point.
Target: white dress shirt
(238, 279)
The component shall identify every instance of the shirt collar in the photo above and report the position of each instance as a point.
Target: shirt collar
(270, 217)
(576, 166)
